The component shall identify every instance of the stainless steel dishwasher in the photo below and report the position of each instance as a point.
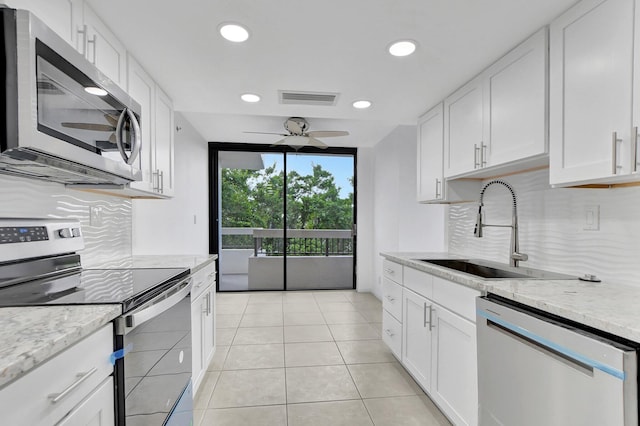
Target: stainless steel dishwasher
(538, 369)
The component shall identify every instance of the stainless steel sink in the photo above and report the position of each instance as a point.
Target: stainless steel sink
(496, 271)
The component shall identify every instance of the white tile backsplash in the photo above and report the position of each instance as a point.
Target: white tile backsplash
(105, 240)
(552, 223)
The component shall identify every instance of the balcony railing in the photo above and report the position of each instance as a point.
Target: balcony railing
(299, 242)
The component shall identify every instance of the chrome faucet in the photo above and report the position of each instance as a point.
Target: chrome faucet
(514, 255)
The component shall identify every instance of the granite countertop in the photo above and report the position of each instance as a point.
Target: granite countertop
(193, 262)
(605, 306)
(31, 335)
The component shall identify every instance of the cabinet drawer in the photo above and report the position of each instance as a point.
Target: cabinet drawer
(392, 298)
(202, 279)
(418, 281)
(85, 365)
(392, 334)
(392, 270)
(455, 297)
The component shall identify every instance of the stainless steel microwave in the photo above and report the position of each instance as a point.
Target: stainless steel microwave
(62, 119)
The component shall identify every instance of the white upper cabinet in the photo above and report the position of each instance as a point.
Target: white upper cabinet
(463, 132)
(102, 47)
(430, 152)
(62, 16)
(497, 122)
(591, 93)
(164, 143)
(515, 103)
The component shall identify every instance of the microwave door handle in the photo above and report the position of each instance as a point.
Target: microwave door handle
(140, 317)
(136, 145)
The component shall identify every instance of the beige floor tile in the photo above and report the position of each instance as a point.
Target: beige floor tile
(261, 320)
(246, 388)
(273, 415)
(303, 318)
(205, 390)
(263, 308)
(300, 307)
(336, 413)
(230, 309)
(307, 333)
(267, 297)
(367, 305)
(336, 307)
(440, 418)
(381, 380)
(344, 318)
(224, 336)
(364, 296)
(226, 297)
(354, 332)
(244, 357)
(298, 297)
(198, 415)
(327, 383)
(310, 354)
(402, 411)
(365, 351)
(330, 296)
(258, 336)
(228, 321)
(372, 315)
(219, 357)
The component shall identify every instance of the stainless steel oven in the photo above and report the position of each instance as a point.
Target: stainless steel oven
(62, 119)
(152, 340)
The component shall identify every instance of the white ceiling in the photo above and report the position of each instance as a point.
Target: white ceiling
(319, 46)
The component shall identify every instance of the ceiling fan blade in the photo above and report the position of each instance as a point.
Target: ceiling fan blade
(280, 142)
(327, 133)
(268, 133)
(111, 119)
(90, 126)
(318, 144)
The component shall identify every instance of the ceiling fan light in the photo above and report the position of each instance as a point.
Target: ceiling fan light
(362, 104)
(250, 97)
(402, 48)
(234, 32)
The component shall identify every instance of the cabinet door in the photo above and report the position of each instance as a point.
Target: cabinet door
(430, 152)
(454, 385)
(103, 48)
(463, 117)
(416, 337)
(141, 87)
(60, 15)
(591, 63)
(208, 328)
(197, 311)
(96, 410)
(164, 147)
(515, 102)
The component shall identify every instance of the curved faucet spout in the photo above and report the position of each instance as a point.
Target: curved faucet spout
(514, 256)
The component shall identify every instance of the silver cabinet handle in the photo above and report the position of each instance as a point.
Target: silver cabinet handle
(431, 326)
(483, 154)
(476, 150)
(83, 32)
(92, 42)
(391, 299)
(165, 301)
(57, 397)
(389, 271)
(614, 153)
(209, 309)
(161, 184)
(635, 149)
(389, 332)
(438, 185)
(205, 305)
(424, 313)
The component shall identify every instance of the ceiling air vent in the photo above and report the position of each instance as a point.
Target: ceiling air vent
(307, 98)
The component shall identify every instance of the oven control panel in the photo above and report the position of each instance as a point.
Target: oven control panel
(21, 234)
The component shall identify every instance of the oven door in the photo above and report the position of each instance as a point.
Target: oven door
(153, 372)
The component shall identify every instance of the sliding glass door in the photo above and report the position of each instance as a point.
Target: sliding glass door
(283, 219)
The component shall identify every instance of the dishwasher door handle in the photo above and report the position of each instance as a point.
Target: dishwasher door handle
(571, 357)
(164, 301)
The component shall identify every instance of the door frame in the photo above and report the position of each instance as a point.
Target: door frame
(214, 194)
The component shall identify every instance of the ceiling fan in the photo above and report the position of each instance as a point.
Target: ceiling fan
(298, 136)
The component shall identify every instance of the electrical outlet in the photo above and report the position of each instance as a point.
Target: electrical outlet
(592, 218)
(95, 216)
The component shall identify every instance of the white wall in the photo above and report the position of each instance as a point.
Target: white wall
(365, 264)
(400, 223)
(179, 225)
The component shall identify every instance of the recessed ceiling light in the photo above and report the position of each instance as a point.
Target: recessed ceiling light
(234, 32)
(95, 91)
(361, 104)
(402, 48)
(250, 97)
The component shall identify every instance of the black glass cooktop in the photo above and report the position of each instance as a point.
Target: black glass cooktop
(129, 287)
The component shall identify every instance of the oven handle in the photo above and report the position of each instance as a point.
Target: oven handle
(161, 303)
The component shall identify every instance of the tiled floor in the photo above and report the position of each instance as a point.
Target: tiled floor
(306, 359)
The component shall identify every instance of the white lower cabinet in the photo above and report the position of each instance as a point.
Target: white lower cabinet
(203, 303)
(392, 333)
(417, 337)
(454, 381)
(95, 410)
